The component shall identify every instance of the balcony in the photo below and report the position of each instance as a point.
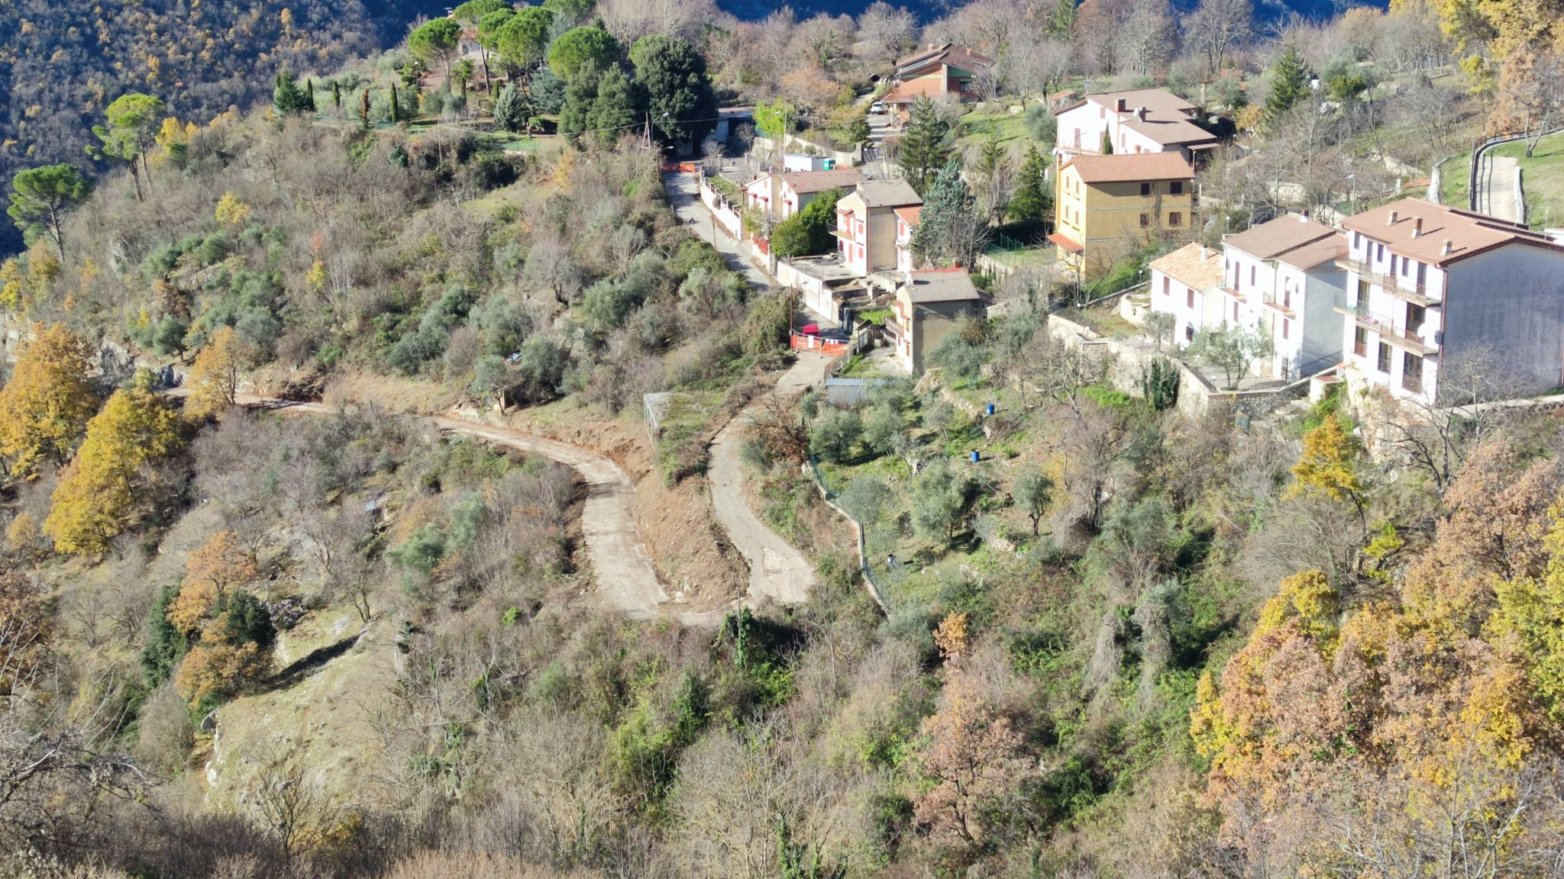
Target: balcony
(1401, 288)
(1409, 337)
(1276, 304)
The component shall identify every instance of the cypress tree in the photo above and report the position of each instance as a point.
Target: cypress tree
(309, 94)
(396, 109)
(363, 109)
(336, 95)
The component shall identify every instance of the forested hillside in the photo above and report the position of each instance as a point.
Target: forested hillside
(61, 64)
(396, 475)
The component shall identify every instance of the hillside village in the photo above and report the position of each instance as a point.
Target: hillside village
(611, 439)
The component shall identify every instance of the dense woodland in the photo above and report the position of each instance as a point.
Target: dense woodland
(1132, 642)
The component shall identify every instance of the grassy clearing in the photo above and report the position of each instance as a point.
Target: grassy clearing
(1453, 182)
(979, 125)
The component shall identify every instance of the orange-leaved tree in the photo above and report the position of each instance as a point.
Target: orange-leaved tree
(99, 495)
(231, 632)
(46, 405)
(1427, 723)
(214, 377)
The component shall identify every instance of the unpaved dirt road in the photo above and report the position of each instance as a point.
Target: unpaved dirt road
(621, 567)
(777, 570)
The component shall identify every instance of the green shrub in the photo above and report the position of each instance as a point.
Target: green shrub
(835, 435)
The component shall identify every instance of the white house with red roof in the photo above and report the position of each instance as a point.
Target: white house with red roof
(906, 223)
(1431, 288)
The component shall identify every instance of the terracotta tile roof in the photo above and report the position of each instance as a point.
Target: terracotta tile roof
(940, 285)
(820, 181)
(1065, 241)
(1193, 265)
(888, 193)
(1466, 233)
(1272, 239)
(1131, 167)
(1325, 250)
(1170, 132)
(1160, 104)
(948, 53)
(910, 215)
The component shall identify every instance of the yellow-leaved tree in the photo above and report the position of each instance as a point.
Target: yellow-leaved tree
(97, 498)
(48, 401)
(214, 377)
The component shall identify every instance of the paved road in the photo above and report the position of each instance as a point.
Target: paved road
(684, 193)
(621, 567)
(777, 570)
(1496, 187)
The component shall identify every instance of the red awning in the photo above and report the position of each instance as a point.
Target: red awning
(1067, 243)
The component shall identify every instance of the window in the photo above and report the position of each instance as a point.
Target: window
(1189, 298)
(1189, 331)
(1363, 294)
(1287, 297)
(1379, 252)
(1360, 341)
(1286, 327)
(1145, 189)
(1415, 316)
(1145, 220)
(1357, 240)
(1384, 358)
(1251, 276)
(1167, 286)
(1235, 312)
(1412, 372)
(1176, 187)
(1175, 219)
(1392, 264)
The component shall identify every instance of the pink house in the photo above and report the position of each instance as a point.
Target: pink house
(785, 194)
(906, 222)
(1138, 121)
(867, 224)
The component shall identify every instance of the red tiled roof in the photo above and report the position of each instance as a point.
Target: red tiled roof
(1131, 167)
(1066, 242)
(910, 215)
(908, 92)
(1467, 233)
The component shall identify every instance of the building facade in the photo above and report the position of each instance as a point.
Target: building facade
(929, 304)
(1283, 280)
(866, 224)
(1433, 289)
(1139, 121)
(1108, 206)
(783, 195)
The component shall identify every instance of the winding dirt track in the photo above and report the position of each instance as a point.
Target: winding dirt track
(626, 580)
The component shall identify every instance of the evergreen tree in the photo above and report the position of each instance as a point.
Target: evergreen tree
(336, 95)
(927, 145)
(511, 110)
(580, 95)
(678, 91)
(396, 109)
(1107, 145)
(1031, 200)
(1289, 83)
(808, 232)
(951, 228)
(363, 109)
(41, 197)
(1063, 20)
(619, 105)
(287, 98)
(309, 94)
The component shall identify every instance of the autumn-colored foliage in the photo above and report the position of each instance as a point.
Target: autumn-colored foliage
(951, 637)
(1429, 712)
(214, 377)
(26, 629)
(218, 565)
(972, 753)
(1328, 464)
(46, 405)
(97, 497)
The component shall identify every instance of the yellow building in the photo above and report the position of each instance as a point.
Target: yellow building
(1107, 206)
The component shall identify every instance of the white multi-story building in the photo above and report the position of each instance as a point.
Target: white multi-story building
(1284, 280)
(1139, 121)
(1432, 288)
(1279, 278)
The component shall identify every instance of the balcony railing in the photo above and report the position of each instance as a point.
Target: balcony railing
(1412, 337)
(1278, 303)
(1406, 289)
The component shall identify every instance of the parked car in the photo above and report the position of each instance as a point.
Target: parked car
(877, 108)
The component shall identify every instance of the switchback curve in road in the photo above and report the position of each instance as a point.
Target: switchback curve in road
(626, 580)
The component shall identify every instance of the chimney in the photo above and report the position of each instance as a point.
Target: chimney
(1205, 253)
(1444, 249)
(1140, 113)
(1122, 106)
(1417, 226)
(1393, 217)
